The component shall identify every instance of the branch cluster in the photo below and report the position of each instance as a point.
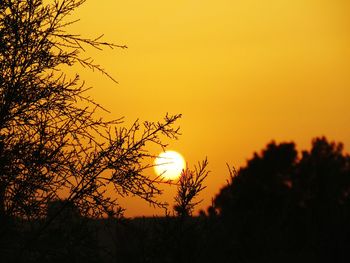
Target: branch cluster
(190, 185)
(51, 142)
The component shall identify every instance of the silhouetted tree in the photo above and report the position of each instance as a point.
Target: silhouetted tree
(51, 141)
(284, 208)
(173, 238)
(321, 188)
(189, 186)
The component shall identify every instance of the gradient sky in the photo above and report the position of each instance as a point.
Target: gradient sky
(242, 72)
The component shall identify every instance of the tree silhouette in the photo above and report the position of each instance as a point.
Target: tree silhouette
(284, 208)
(51, 141)
(189, 186)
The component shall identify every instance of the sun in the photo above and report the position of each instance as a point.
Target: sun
(169, 165)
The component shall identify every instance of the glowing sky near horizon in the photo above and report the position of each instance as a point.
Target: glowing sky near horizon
(242, 73)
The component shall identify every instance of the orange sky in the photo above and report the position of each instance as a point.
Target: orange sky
(241, 72)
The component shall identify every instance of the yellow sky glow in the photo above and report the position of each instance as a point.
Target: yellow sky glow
(241, 72)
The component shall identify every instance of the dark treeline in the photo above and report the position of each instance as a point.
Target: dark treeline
(281, 207)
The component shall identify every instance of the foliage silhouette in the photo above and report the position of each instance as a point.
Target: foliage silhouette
(169, 238)
(284, 208)
(281, 207)
(51, 140)
(190, 185)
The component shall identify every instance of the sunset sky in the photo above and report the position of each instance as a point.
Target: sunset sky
(242, 73)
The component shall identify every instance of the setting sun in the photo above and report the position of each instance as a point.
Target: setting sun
(169, 165)
(133, 130)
